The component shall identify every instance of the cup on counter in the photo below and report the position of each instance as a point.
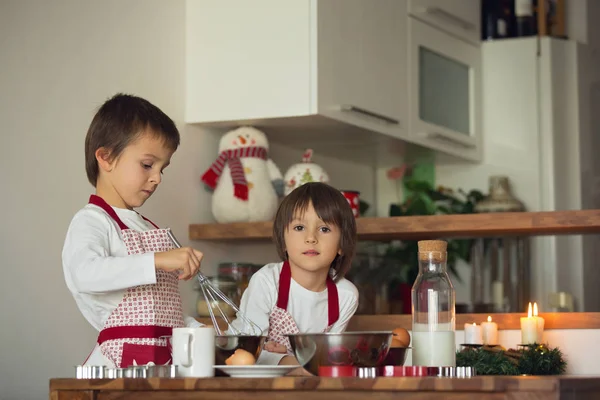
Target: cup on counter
(194, 351)
(353, 198)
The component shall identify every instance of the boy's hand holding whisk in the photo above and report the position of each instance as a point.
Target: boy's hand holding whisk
(184, 259)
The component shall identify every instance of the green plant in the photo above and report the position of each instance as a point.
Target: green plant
(536, 359)
(400, 259)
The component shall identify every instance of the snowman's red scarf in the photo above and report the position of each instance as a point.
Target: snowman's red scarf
(232, 157)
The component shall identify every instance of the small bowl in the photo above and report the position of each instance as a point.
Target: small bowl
(396, 356)
(359, 349)
(226, 345)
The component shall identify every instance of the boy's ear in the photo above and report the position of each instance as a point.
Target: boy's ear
(340, 252)
(104, 159)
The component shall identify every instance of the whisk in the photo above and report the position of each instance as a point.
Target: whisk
(212, 295)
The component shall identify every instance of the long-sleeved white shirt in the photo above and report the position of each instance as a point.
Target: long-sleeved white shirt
(309, 309)
(96, 265)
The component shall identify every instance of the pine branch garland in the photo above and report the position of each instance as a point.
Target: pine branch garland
(535, 359)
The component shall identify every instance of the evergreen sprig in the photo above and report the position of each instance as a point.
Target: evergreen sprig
(536, 359)
(540, 360)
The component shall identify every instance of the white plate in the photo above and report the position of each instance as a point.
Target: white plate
(256, 371)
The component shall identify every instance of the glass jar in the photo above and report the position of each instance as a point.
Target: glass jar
(229, 288)
(433, 312)
(239, 272)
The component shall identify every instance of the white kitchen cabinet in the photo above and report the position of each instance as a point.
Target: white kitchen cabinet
(444, 92)
(299, 66)
(461, 18)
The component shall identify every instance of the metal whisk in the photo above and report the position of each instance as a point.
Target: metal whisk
(211, 295)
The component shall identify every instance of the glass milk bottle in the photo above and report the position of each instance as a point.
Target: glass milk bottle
(433, 299)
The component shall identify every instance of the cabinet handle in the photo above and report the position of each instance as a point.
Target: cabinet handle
(362, 111)
(441, 13)
(452, 140)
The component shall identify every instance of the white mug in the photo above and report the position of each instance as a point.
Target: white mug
(194, 351)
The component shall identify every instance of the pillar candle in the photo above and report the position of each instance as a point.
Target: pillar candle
(532, 326)
(490, 331)
(473, 334)
(498, 296)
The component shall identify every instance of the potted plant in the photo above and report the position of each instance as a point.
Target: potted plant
(399, 262)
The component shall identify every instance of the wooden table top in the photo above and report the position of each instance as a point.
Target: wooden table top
(404, 384)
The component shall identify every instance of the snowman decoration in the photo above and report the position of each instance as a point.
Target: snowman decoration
(245, 181)
(304, 172)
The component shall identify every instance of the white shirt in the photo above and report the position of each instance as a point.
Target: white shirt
(97, 268)
(309, 309)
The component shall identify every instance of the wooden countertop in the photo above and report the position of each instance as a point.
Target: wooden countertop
(483, 387)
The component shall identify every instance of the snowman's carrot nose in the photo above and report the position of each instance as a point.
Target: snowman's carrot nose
(242, 139)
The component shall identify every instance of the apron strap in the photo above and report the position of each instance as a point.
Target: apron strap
(134, 332)
(99, 201)
(333, 302)
(156, 226)
(285, 279)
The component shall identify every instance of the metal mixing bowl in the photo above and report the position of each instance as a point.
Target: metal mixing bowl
(396, 356)
(360, 349)
(226, 345)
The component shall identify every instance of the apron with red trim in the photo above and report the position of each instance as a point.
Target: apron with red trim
(281, 323)
(134, 333)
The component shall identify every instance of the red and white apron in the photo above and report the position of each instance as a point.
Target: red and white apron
(133, 333)
(282, 323)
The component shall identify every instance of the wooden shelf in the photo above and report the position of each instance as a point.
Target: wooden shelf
(430, 227)
(387, 322)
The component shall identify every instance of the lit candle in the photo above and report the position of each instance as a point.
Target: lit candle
(532, 326)
(490, 331)
(473, 334)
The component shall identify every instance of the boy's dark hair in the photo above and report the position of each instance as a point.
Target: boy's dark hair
(332, 207)
(118, 122)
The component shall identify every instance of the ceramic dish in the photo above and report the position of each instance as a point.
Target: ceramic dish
(256, 371)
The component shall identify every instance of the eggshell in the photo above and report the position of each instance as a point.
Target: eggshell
(240, 357)
(400, 338)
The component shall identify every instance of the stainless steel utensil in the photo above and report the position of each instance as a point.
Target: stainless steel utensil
(161, 371)
(90, 372)
(213, 296)
(359, 349)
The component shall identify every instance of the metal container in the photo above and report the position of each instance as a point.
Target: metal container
(139, 371)
(420, 371)
(115, 373)
(90, 372)
(226, 345)
(359, 349)
(161, 371)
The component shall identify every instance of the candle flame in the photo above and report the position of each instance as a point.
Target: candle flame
(529, 312)
(535, 309)
(489, 318)
(474, 324)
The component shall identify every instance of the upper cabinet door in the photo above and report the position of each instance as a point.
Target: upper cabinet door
(458, 17)
(362, 63)
(247, 59)
(445, 92)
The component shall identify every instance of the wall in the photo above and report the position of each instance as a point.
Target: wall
(60, 61)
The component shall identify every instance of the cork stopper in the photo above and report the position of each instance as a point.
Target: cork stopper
(433, 250)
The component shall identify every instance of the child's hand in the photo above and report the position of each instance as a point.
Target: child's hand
(275, 347)
(185, 259)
